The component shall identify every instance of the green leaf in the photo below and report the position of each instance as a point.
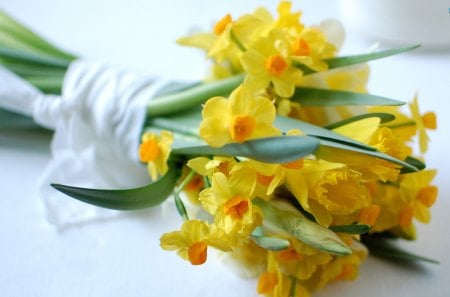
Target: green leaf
(285, 124)
(32, 58)
(413, 162)
(126, 199)
(17, 36)
(350, 229)
(295, 224)
(325, 97)
(357, 59)
(376, 154)
(271, 243)
(29, 69)
(191, 97)
(384, 248)
(384, 117)
(182, 125)
(329, 138)
(268, 242)
(47, 84)
(279, 149)
(175, 87)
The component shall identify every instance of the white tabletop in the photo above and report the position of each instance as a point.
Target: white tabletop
(121, 256)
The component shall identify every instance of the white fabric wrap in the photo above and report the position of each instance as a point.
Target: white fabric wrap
(97, 122)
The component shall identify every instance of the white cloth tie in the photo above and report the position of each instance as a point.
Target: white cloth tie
(98, 121)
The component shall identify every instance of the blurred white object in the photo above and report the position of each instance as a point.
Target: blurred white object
(400, 22)
(98, 121)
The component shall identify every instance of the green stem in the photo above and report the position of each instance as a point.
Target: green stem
(178, 202)
(189, 98)
(293, 290)
(236, 41)
(167, 124)
(400, 125)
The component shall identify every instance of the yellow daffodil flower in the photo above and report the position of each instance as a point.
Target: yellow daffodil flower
(268, 62)
(343, 267)
(273, 282)
(231, 204)
(190, 242)
(369, 132)
(311, 47)
(155, 150)
(207, 167)
(406, 127)
(241, 117)
(287, 20)
(423, 122)
(333, 190)
(301, 260)
(418, 195)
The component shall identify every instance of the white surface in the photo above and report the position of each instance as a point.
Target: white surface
(121, 257)
(401, 21)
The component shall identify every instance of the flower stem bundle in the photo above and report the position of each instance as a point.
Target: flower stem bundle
(281, 159)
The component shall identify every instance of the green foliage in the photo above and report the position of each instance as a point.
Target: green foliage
(292, 222)
(127, 199)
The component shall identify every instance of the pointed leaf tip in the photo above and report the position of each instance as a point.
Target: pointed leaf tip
(125, 199)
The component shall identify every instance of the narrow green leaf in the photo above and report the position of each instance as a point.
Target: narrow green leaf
(271, 243)
(384, 117)
(357, 59)
(30, 57)
(338, 62)
(376, 154)
(175, 87)
(29, 69)
(296, 225)
(16, 35)
(325, 97)
(384, 248)
(47, 84)
(178, 125)
(351, 229)
(280, 149)
(180, 207)
(413, 162)
(268, 242)
(126, 199)
(285, 124)
(195, 96)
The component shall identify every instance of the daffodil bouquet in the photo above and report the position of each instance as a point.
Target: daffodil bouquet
(281, 159)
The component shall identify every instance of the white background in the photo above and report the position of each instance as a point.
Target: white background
(121, 257)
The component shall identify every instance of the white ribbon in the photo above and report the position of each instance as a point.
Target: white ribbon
(97, 122)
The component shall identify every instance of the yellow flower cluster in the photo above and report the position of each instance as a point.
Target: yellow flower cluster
(332, 187)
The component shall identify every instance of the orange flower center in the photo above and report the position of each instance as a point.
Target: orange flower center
(369, 215)
(242, 127)
(405, 217)
(197, 253)
(264, 179)
(222, 24)
(289, 254)
(236, 207)
(195, 184)
(296, 164)
(429, 120)
(428, 195)
(347, 271)
(223, 167)
(149, 150)
(267, 281)
(301, 48)
(276, 65)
